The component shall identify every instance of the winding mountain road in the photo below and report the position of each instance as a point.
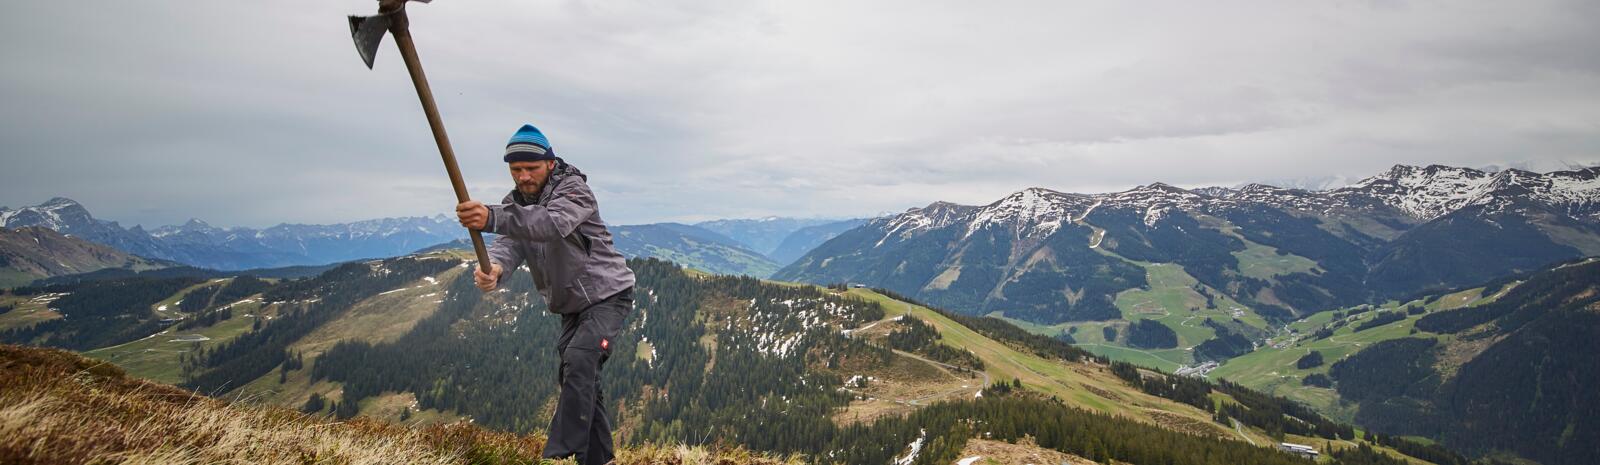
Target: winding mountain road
(941, 366)
(948, 369)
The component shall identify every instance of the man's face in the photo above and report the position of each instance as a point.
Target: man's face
(531, 175)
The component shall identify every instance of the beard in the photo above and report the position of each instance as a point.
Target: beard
(530, 190)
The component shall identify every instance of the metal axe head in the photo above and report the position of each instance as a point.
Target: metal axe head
(368, 30)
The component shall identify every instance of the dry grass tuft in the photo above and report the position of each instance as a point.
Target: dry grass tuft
(59, 408)
(684, 455)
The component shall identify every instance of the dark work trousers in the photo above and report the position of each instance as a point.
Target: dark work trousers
(580, 428)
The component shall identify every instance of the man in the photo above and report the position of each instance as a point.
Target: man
(552, 222)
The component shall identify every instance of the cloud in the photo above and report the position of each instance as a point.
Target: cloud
(247, 114)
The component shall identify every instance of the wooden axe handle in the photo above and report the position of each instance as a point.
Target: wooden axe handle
(408, 52)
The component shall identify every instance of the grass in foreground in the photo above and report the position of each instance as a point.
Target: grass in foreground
(59, 408)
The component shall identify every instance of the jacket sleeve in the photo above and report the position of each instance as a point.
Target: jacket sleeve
(504, 252)
(570, 205)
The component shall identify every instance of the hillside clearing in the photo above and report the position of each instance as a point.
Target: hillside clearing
(1083, 385)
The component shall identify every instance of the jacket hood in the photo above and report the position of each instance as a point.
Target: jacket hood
(563, 169)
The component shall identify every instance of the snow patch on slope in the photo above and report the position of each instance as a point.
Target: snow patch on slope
(916, 448)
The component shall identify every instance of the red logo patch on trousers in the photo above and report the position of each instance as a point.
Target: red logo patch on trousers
(605, 344)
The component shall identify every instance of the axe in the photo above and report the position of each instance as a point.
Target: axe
(368, 33)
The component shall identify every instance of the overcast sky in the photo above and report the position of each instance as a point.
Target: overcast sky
(257, 113)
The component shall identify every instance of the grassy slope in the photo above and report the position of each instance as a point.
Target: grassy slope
(380, 318)
(1077, 384)
(59, 408)
(28, 311)
(70, 256)
(1260, 261)
(10, 278)
(376, 319)
(1170, 300)
(167, 307)
(157, 357)
(1272, 368)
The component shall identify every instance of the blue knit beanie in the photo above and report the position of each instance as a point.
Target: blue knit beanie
(528, 144)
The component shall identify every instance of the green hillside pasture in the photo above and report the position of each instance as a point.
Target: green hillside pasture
(1263, 262)
(706, 254)
(168, 307)
(1469, 298)
(1090, 336)
(1172, 290)
(1086, 386)
(10, 278)
(380, 318)
(157, 357)
(1271, 369)
(1172, 301)
(26, 310)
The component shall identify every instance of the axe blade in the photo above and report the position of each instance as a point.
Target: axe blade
(368, 32)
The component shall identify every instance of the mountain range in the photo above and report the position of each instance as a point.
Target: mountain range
(1050, 257)
(749, 247)
(687, 245)
(759, 234)
(197, 243)
(781, 240)
(691, 246)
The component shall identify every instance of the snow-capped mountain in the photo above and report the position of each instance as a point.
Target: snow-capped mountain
(1427, 193)
(68, 217)
(59, 214)
(934, 216)
(1034, 212)
(200, 244)
(1434, 191)
(1033, 252)
(1262, 193)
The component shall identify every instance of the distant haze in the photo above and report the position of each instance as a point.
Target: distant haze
(253, 114)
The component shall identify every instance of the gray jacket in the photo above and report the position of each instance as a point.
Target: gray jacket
(563, 240)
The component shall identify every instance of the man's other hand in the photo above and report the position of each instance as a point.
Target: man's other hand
(472, 214)
(487, 282)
